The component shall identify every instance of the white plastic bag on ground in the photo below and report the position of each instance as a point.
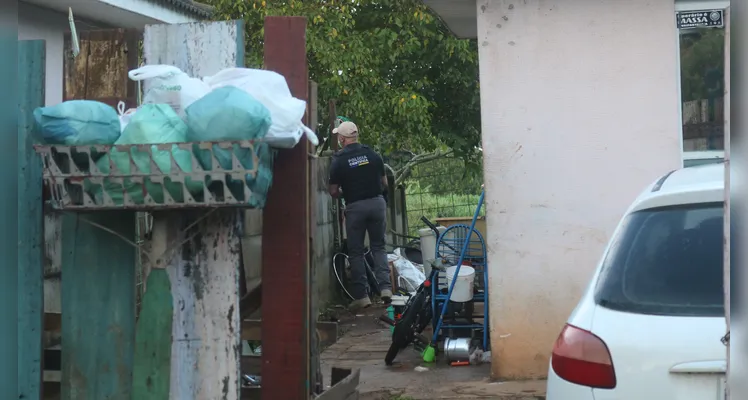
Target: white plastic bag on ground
(169, 85)
(124, 116)
(409, 272)
(270, 89)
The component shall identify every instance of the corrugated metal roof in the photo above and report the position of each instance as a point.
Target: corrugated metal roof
(190, 6)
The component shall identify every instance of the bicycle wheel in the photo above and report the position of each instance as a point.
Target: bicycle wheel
(391, 353)
(409, 325)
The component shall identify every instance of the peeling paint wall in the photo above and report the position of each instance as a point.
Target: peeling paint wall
(580, 111)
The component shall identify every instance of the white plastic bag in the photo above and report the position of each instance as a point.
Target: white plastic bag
(167, 84)
(124, 116)
(270, 89)
(409, 272)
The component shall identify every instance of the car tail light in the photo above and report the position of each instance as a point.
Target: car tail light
(581, 357)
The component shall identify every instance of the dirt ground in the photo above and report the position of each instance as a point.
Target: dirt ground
(363, 345)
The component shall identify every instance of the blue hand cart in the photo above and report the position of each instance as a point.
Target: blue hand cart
(458, 246)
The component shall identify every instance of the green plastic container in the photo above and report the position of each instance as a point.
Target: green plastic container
(391, 314)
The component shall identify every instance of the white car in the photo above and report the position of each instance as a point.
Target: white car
(650, 324)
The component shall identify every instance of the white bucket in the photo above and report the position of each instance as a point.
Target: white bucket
(463, 290)
(428, 247)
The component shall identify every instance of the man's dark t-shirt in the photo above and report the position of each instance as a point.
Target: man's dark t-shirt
(359, 171)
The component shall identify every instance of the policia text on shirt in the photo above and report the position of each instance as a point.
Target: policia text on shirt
(357, 173)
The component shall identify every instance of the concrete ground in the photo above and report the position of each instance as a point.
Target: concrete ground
(363, 345)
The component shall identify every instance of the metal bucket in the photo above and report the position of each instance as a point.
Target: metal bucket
(457, 349)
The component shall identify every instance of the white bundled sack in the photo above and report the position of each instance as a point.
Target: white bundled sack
(124, 116)
(270, 89)
(167, 84)
(408, 271)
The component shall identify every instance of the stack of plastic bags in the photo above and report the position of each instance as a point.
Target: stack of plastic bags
(235, 104)
(151, 124)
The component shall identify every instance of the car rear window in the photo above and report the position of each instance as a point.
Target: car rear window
(666, 261)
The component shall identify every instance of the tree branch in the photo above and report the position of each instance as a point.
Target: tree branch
(404, 173)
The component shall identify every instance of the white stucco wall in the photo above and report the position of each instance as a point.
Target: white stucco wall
(37, 23)
(580, 110)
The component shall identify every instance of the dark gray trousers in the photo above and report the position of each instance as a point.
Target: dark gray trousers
(364, 216)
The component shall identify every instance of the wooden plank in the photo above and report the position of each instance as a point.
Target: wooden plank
(252, 300)
(252, 259)
(152, 364)
(31, 59)
(344, 385)
(315, 367)
(338, 374)
(251, 393)
(100, 70)
(204, 270)
(98, 306)
(52, 263)
(98, 298)
(313, 107)
(52, 330)
(285, 236)
(251, 365)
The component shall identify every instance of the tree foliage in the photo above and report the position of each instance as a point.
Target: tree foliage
(391, 65)
(702, 64)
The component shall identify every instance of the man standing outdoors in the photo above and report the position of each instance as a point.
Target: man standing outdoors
(357, 174)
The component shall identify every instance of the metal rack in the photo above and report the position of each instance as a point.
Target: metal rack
(461, 245)
(73, 180)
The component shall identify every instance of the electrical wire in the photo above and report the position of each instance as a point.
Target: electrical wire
(347, 259)
(335, 269)
(169, 248)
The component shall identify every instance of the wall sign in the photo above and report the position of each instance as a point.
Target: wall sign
(700, 19)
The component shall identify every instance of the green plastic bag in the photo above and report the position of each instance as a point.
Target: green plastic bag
(151, 124)
(229, 113)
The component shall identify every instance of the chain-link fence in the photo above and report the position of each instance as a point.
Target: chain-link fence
(442, 188)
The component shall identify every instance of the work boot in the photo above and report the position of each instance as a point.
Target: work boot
(386, 296)
(359, 304)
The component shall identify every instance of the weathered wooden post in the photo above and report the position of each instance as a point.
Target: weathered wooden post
(31, 57)
(286, 281)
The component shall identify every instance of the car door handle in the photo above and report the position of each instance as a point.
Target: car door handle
(700, 367)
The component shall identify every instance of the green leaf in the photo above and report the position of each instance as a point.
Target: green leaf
(387, 50)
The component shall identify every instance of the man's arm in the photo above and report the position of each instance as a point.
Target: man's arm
(334, 190)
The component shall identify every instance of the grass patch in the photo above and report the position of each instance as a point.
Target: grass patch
(420, 202)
